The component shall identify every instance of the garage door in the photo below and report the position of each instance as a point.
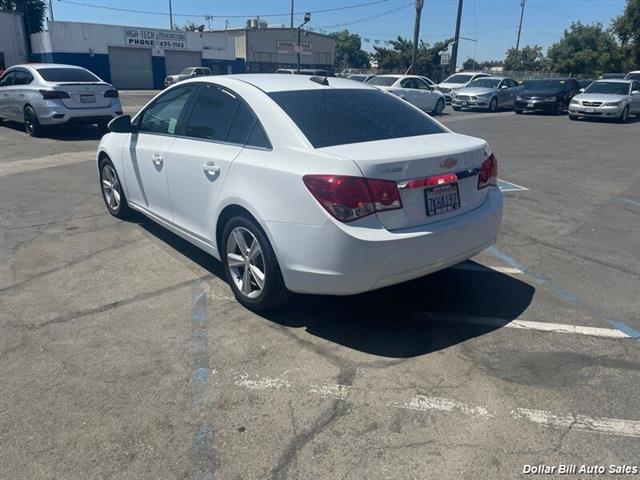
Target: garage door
(130, 67)
(176, 61)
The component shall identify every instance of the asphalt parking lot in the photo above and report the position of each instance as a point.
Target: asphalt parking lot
(124, 355)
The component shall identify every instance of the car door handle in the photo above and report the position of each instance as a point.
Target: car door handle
(157, 159)
(211, 168)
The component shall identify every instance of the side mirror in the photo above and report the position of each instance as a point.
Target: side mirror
(121, 124)
(582, 90)
(635, 92)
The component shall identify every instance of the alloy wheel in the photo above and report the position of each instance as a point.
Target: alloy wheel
(111, 187)
(28, 121)
(246, 262)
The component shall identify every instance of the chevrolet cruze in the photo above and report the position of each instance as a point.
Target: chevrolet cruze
(303, 184)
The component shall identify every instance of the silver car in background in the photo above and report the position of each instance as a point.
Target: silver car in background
(458, 80)
(489, 93)
(45, 94)
(614, 99)
(188, 72)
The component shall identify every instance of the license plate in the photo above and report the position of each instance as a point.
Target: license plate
(88, 98)
(590, 110)
(529, 105)
(465, 103)
(442, 198)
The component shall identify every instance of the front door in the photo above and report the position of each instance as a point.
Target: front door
(146, 154)
(212, 136)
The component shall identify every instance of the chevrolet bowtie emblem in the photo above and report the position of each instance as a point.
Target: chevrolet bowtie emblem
(448, 163)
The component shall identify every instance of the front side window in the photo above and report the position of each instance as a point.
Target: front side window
(62, 74)
(8, 79)
(343, 116)
(163, 114)
(409, 83)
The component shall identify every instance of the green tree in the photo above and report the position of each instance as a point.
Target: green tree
(529, 58)
(586, 49)
(627, 28)
(189, 26)
(349, 51)
(470, 64)
(33, 13)
(398, 57)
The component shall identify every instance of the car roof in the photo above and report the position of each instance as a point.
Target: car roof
(279, 82)
(615, 80)
(38, 66)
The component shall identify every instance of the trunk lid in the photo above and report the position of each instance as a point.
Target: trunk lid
(84, 94)
(414, 158)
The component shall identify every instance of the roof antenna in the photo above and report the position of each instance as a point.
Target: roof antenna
(320, 80)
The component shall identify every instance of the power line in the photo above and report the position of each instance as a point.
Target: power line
(366, 19)
(148, 12)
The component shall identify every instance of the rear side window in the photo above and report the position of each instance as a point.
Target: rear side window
(342, 116)
(241, 125)
(211, 114)
(59, 74)
(258, 137)
(23, 77)
(162, 115)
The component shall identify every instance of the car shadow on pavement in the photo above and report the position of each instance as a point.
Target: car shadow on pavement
(64, 134)
(402, 321)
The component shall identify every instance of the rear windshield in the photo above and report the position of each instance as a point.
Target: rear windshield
(615, 88)
(339, 117)
(382, 81)
(58, 74)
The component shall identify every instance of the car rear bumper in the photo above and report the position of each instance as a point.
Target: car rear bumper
(340, 259)
(53, 113)
(603, 112)
(535, 106)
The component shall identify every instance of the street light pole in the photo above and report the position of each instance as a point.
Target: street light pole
(307, 18)
(416, 35)
(522, 2)
(292, 2)
(456, 40)
(170, 16)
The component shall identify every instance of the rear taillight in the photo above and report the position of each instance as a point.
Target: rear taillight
(488, 172)
(53, 94)
(349, 198)
(111, 94)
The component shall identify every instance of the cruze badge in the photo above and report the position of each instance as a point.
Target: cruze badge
(448, 163)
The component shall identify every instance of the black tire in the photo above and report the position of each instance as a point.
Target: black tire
(120, 209)
(493, 105)
(573, 117)
(624, 116)
(457, 109)
(519, 112)
(274, 292)
(439, 107)
(559, 108)
(31, 123)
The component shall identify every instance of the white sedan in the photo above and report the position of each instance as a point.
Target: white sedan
(303, 184)
(414, 89)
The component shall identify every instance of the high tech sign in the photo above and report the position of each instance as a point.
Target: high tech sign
(137, 37)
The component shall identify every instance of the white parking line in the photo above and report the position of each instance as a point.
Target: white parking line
(526, 325)
(475, 267)
(56, 160)
(447, 406)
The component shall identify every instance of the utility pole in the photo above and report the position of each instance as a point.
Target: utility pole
(51, 11)
(292, 2)
(170, 16)
(456, 39)
(416, 34)
(522, 2)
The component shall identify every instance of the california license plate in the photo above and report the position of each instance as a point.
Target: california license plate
(442, 198)
(590, 110)
(529, 105)
(465, 103)
(88, 98)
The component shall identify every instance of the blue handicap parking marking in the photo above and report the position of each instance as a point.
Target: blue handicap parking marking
(510, 187)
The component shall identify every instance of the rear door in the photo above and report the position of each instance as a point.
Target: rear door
(211, 137)
(146, 155)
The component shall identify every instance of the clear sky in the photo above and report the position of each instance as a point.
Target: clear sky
(493, 23)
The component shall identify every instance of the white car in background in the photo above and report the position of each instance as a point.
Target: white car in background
(47, 94)
(613, 99)
(634, 75)
(458, 80)
(303, 184)
(412, 88)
